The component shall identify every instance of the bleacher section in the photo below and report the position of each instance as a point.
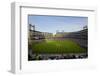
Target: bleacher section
(80, 37)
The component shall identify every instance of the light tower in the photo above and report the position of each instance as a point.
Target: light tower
(85, 27)
(33, 27)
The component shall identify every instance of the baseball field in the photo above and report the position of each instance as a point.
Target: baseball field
(57, 47)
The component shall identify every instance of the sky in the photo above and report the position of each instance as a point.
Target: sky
(60, 23)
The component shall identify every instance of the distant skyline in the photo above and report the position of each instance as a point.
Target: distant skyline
(61, 23)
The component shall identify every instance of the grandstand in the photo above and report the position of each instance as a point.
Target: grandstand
(79, 37)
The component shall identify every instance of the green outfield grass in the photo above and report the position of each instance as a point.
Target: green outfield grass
(57, 47)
